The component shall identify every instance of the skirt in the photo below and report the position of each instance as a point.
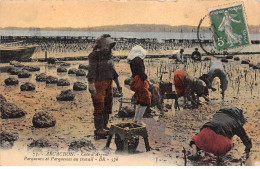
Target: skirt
(207, 140)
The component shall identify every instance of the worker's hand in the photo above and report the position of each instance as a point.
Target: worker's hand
(197, 100)
(198, 103)
(185, 105)
(92, 89)
(110, 62)
(206, 98)
(176, 105)
(248, 162)
(119, 88)
(161, 113)
(222, 93)
(248, 148)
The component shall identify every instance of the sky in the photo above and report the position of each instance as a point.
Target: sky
(86, 13)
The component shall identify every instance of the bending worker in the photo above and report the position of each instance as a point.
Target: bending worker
(215, 136)
(187, 86)
(217, 69)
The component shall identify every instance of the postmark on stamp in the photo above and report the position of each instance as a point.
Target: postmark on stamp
(229, 27)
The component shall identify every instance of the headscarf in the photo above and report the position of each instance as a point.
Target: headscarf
(104, 43)
(235, 113)
(205, 79)
(199, 86)
(137, 51)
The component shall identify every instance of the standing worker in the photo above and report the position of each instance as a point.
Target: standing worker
(139, 82)
(100, 77)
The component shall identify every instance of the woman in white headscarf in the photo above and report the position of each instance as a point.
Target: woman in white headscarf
(139, 84)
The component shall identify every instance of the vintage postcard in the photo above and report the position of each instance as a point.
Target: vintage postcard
(129, 82)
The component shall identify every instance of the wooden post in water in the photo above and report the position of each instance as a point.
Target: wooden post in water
(46, 56)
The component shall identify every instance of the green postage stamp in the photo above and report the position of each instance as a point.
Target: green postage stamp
(229, 27)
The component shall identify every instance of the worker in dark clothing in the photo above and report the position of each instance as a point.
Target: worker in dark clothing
(100, 76)
(139, 82)
(115, 76)
(215, 136)
(196, 56)
(180, 57)
(205, 78)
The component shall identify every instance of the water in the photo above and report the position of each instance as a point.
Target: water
(158, 35)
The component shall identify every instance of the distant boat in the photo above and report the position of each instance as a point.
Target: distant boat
(15, 51)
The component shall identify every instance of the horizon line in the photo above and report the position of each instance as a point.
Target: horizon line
(103, 26)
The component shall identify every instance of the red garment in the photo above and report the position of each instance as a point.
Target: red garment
(103, 100)
(179, 82)
(140, 87)
(209, 141)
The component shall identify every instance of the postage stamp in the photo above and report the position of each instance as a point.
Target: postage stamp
(229, 27)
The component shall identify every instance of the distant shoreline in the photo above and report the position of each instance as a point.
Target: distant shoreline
(121, 28)
(130, 28)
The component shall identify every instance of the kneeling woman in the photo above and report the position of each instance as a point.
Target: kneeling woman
(139, 82)
(215, 136)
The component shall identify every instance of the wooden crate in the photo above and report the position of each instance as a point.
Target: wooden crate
(165, 87)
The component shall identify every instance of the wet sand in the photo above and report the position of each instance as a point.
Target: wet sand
(167, 135)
